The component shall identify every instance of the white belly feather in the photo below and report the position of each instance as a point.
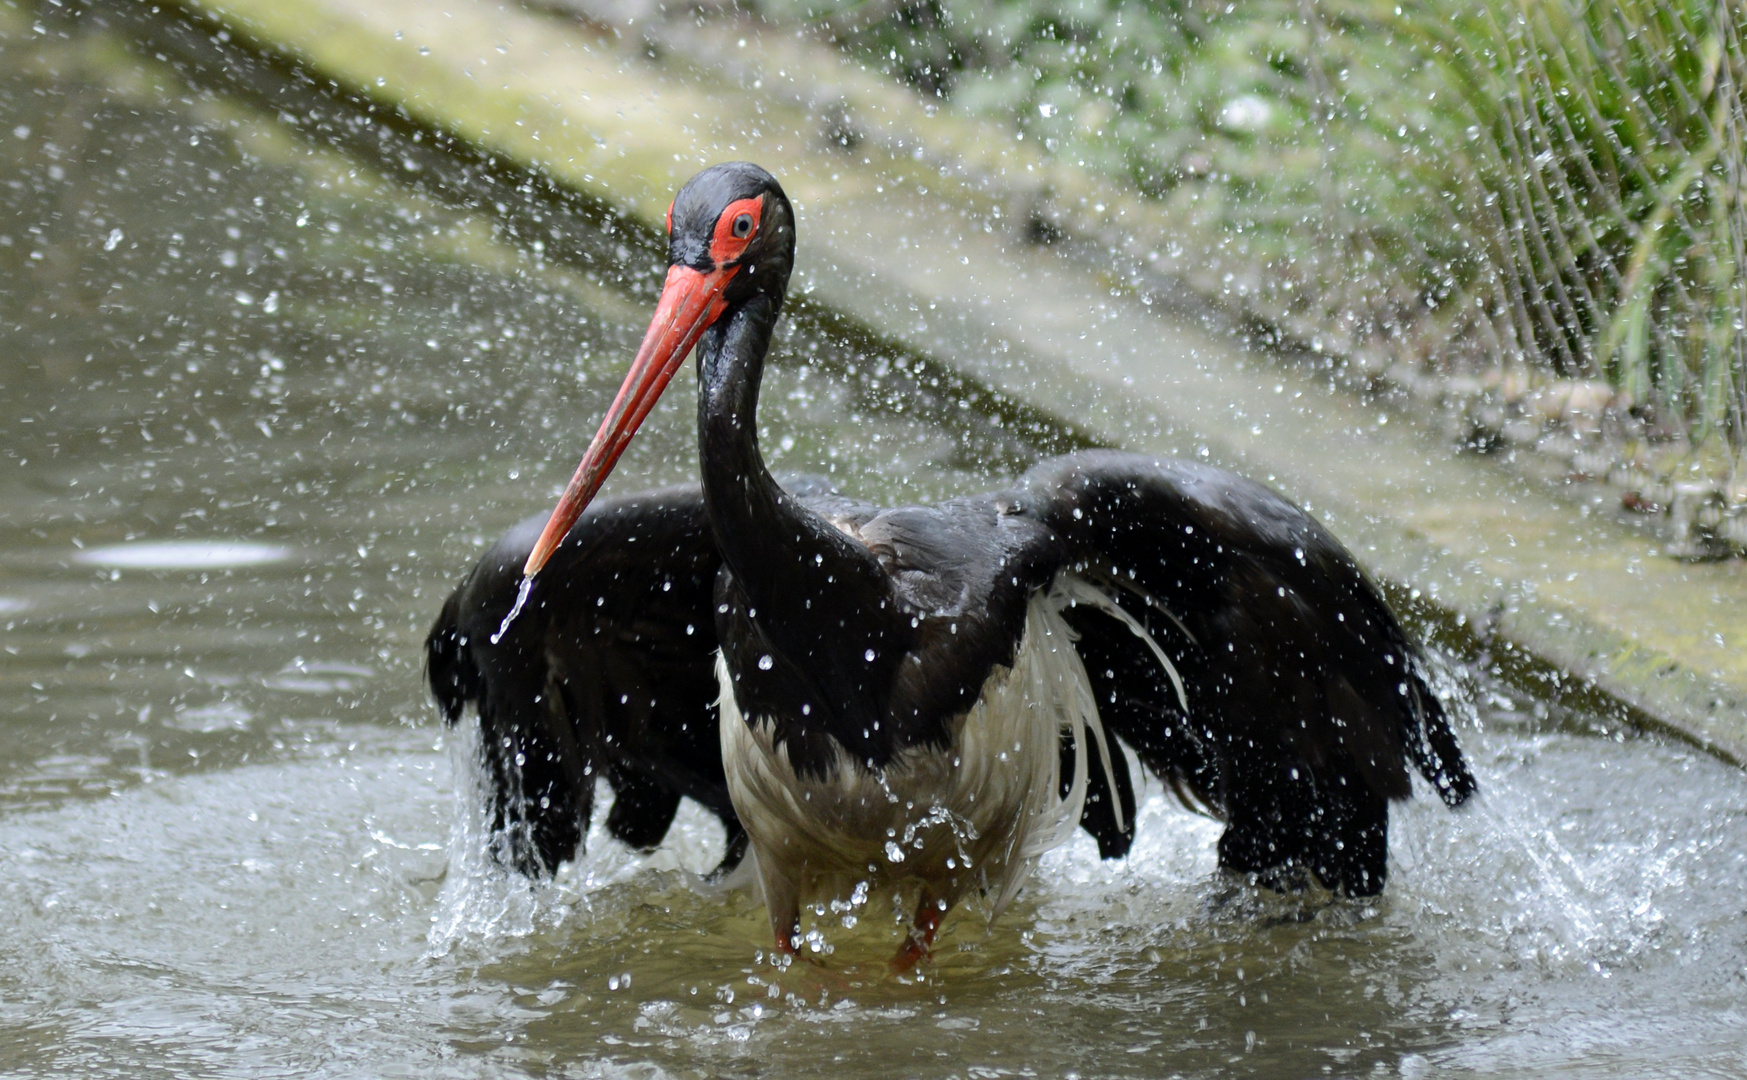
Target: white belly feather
(975, 816)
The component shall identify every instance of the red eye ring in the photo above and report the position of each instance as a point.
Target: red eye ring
(670, 219)
(736, 228)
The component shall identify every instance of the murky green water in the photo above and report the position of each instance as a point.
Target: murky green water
(261, 409)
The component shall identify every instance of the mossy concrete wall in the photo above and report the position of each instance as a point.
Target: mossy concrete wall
(913, 234)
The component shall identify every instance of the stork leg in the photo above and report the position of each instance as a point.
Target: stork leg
(788, 933)
(930, 912)
(782, 900)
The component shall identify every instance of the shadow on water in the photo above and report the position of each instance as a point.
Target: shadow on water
(264, 403)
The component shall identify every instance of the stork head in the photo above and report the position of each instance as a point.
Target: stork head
(730, 237)
(732, 223)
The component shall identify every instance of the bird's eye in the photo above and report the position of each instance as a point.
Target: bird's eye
(736, 225)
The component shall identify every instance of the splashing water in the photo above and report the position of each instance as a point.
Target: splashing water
(1508, 933)
(1581, 918)
(522, 591)
(229, 846)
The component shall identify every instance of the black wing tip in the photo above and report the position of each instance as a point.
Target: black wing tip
(1434, 749)
(1251, 545)
(1449, 774)
(1456, 786)
(1341, 842)
(449, 668)
(1109, 810)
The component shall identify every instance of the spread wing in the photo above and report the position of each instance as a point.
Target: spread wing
(1306, 699)
(609, 669)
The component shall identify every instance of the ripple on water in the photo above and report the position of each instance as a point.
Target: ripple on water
(319, 677)
(275, 906)
(183, 555)
(1583, 919)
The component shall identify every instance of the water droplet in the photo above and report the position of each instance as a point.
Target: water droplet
(522, 591)
(765, 662)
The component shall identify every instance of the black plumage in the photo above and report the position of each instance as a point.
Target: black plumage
(1300, 727)
(1288, 701)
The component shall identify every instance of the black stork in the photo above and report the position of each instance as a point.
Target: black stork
(924, 698)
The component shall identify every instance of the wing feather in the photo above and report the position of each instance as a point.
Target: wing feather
(1305, 698)
(609, 669)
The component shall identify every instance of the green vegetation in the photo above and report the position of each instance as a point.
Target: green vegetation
(1509, 194)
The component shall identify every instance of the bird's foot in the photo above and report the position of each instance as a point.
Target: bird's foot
(788, 945)
(919, 943)
(910, 953)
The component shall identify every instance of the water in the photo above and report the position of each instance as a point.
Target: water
(262, 407)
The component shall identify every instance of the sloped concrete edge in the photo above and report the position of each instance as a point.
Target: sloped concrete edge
(1653, 687)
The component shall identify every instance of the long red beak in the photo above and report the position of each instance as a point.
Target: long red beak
(690, 301)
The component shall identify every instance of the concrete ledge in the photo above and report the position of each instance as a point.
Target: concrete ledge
(913, 236)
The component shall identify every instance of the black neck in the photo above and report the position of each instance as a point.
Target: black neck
(751, 515)
(814, 600)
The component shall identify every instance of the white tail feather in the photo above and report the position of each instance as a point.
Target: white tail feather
(1077, 589)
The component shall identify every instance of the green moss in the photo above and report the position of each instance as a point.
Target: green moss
(1498, 183)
